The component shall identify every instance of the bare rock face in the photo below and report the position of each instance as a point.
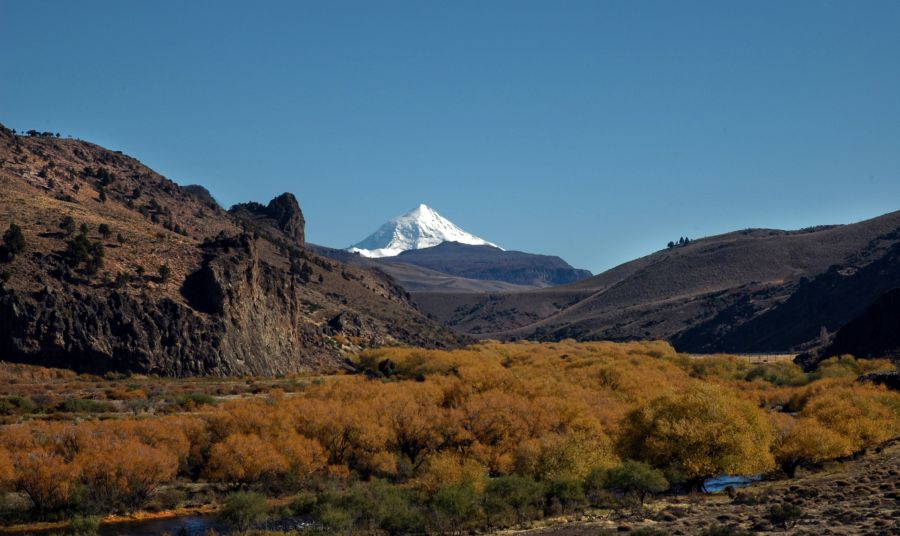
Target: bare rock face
(349, 323)
(285, 210)
(282, 215)
(241, 317)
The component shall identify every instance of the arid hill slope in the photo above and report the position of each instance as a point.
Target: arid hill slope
(756, 290)
(239, 293)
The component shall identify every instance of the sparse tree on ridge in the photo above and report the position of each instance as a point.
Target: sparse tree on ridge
(13, 241)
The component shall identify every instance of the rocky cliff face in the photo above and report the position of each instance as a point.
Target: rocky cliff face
(282, 216)
(242, 317)
(175, 285)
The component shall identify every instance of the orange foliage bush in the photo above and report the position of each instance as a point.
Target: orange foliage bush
(552, 412)
(46, 477)
(124, 471)
(244, 458)
(7, 470)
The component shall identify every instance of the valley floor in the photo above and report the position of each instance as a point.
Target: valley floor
(536, 438)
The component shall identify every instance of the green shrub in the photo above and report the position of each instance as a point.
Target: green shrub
(81, 250)
(164, 273)
(389, 508)
(168, 498)
(196, 399)
(634, 478)
(304, 503)
(509, 499)
(334, 517)
(67, 225)
(16, 405)
(454, 507)
(85, 405)
(565, 493)
(13, 241)
(83, 526)
(781, 373)
(847, 366)
(242, 509)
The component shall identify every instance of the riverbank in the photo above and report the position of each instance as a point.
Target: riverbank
(207, 510)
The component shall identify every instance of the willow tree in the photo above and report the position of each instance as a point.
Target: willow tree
(697, 433)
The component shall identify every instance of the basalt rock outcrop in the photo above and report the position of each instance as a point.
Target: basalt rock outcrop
(125, 270)
(281, 215)
(241, 316)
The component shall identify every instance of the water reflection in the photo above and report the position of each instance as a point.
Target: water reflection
(719, 483)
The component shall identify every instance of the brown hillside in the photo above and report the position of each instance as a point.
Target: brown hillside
(707, 289)
(242, 295)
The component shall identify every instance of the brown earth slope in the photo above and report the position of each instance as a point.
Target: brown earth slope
(730, 292)
(242, 294)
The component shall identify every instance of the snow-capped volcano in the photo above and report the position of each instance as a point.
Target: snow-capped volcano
(421, 227)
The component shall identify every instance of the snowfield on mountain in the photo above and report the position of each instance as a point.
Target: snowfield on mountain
(420, 228)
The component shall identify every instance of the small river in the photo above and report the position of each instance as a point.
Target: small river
(176, 526)
(719, 483)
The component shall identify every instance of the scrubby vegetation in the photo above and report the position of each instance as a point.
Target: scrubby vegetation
(13, 242)
(427, 440)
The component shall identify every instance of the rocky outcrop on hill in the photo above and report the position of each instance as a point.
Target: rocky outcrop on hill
(282, 214)
(125, 270)
(242, 316)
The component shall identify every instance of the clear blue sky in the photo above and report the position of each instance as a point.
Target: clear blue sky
(596, 130)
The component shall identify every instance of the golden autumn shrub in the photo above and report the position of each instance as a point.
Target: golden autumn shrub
(863, 414)
(805, 440)
(417, 423)
(125, 471)
(7, 470)
(450, 469)
(244, 458)
(304, 456)
(555, 456)
(700, 432)
(452, 420)
(48, 479)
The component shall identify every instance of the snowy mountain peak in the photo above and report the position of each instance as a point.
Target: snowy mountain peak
(421, 227)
